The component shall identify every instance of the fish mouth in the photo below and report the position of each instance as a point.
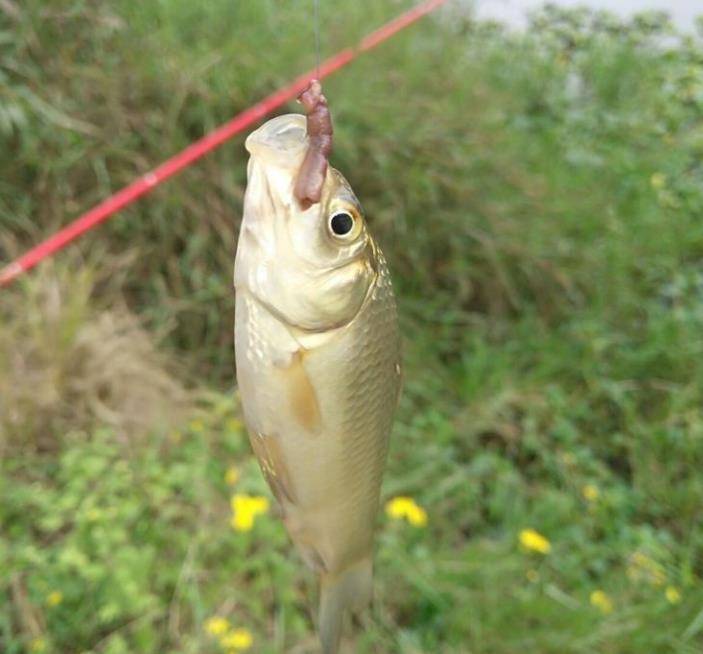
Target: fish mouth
(282, 140)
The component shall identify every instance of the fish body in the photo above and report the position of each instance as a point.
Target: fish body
(318, 363)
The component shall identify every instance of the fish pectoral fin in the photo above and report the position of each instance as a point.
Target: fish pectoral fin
(349, 589)
(301, 395)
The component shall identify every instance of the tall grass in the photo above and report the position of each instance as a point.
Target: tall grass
(539, 198)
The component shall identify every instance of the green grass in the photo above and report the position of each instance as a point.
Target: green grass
(539, 198)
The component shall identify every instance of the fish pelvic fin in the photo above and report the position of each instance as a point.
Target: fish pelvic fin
(349, 589)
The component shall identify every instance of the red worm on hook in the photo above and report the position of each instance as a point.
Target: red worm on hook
(308, 185)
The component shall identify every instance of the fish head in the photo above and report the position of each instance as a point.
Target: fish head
(313, 267)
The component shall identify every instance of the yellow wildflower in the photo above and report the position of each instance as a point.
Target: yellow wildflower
(245, 508)
(534, 541)
(217, 626)
(590, 492)
(237, 640)
(601, 601)
(643, 568)
(234, 425)
(54, 598)
(197, 426)
(532, 575)
(673, 594)
(417, 516)
(405, 507)
(658, 180)
(175, 436)
(37, 645)
(231, 476)
(93, 515)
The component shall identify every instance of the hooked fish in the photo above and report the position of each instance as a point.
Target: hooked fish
(317, 354)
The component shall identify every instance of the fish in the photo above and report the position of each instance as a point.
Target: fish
(318, 360)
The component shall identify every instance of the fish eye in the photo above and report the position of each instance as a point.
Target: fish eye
(342, 223)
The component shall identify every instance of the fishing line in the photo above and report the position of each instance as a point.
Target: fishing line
(316, 11)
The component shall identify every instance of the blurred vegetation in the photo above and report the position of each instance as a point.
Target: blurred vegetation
(539, 197)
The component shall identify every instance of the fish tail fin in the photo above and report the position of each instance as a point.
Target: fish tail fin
(348, 589)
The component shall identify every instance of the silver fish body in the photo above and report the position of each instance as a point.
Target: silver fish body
(318, 363)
